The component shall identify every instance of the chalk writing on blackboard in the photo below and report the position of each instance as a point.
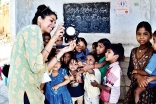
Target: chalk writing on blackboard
(88, 17)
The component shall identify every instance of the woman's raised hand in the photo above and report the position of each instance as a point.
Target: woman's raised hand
(59, 31)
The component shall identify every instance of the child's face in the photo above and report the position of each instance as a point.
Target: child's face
(154, 39)
(59, 41)
(90, 60)
(110, 56)
(57, 66)
(66, 58)
(47, 38)
(100, 49)
(73, 65)
(93, 48)
(143, 36)
(78, 48)
(154, 43)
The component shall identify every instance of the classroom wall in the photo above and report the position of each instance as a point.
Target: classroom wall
(122, 27)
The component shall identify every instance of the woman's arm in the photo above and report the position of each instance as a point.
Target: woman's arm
(60, 54)
(58, 33)
(65, 82)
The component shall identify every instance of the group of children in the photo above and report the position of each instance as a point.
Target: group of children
(86, 77)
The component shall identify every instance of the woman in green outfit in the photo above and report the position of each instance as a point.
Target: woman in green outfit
(28, 57)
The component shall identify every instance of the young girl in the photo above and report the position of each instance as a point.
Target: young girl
(76, 89)
(91, 95)
(65, 59)
(102, 46)
(138, 60)
(56, 91)
(150, 70)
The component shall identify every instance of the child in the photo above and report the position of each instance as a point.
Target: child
(46, 38)
(76, 90)
(102, 46)
(139, 59)
(111, 87)
(91, 94)
(56, 91)
(149, 70)
(81, 49)
(65, 59)
(94, 45)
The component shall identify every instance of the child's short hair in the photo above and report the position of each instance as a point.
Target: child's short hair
(118, 50)
(154, 34)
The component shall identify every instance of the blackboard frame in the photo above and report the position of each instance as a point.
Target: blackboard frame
(88, 17)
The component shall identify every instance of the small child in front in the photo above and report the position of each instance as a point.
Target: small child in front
(150, 70)
(111, 87)
(91, 94)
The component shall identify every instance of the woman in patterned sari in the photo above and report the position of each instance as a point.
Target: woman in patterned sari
(28, 57)
(138, 60)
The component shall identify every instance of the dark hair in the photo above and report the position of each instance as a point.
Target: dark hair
(82, 39)
(105, 42)
(154, 34)
(118, 50)
(73, 58)
(147, 27)
(47, 34)
(5, 70)
(43, 11)
(95, 44)
(94, 55)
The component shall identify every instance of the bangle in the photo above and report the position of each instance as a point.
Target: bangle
(46, 50)
(58, 60)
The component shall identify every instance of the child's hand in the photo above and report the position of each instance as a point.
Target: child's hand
(78, 79)
(134, 71)
(71, 77)
(55, 87)
(94, 84)
(80, 64)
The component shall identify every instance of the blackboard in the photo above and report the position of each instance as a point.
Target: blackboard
(88, 17)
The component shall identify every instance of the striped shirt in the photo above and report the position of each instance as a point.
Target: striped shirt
(112, 79)
(91, 91)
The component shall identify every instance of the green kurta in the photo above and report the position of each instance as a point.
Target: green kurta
(26, 66)
(103, 69)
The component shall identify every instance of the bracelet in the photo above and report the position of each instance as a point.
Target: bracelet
(46, 50)
(58, 60)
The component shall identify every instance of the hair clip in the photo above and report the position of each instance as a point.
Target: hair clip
(44, 9)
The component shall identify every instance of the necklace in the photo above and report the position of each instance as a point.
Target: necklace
(140, 50)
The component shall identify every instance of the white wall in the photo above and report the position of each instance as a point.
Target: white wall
(122, 27)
